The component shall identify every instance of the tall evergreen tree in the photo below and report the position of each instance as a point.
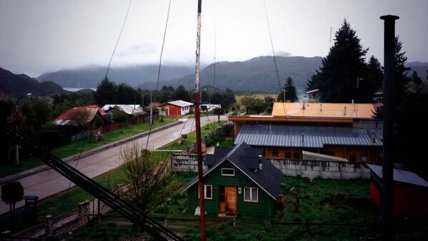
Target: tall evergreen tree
(181, 94)
(289, 90)
(343, 69)
(105, 93)
(374, 81)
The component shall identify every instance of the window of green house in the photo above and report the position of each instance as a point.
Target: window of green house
(251, 194)
(208, 192)
(228, 172)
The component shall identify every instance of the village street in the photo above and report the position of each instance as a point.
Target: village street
(49, 182)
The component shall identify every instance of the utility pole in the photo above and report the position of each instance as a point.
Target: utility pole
(197, 100)
(389, 86)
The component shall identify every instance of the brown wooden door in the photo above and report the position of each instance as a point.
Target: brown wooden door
(231, 198)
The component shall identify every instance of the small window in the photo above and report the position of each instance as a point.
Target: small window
(251, 194)
(208, 192)
(364, 157)
(229, 172)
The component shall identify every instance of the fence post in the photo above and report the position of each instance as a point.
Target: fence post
(83, 212)
(49, 226)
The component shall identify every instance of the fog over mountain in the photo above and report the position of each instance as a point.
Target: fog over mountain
(90, 76)
(254, 75)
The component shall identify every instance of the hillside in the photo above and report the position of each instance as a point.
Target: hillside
(420, 67)
(254, 75)
(90, 76)
(19, 85)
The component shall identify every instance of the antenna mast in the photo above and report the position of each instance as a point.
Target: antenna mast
(197, 102)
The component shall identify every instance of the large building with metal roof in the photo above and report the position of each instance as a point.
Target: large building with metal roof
(288, 141)
(346, 130)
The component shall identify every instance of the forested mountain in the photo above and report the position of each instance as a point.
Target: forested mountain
(257, 74)
(91, 76)
(254, 75)
(17, 85)
(420, 68)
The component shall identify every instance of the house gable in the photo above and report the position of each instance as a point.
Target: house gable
(264, 207)
(257, 189)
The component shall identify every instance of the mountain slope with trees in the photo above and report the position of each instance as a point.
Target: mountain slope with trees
(254, 75)
(18, 85)
(91, 76)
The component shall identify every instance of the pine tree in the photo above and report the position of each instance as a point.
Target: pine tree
(289, 90)
(343, 70)
(374, 81)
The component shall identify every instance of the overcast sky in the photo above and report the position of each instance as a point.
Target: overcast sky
(47, 35)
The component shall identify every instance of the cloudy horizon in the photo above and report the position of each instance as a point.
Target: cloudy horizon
(49, 35)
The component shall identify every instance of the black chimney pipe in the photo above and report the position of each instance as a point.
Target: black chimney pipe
(389, 85)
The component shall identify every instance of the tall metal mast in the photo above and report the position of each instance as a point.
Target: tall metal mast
(197, 102)
(388, 158)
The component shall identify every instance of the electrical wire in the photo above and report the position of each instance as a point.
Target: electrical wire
(273, 53)
(118, 39)
(105, 77)
(159, 72)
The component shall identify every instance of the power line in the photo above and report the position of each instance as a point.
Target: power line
(118, 39)
(158, 75)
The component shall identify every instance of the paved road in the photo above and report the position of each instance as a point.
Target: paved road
(49, 182)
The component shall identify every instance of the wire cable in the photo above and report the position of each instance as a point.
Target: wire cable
(273, 53)
(118, 39)
(159, 71)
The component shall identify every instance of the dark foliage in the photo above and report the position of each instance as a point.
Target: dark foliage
(181, 94)
(344, 76)
(111, 93)
(288, 92)
(20, 85)
(12, 192)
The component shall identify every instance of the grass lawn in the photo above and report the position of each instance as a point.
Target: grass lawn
(321, 201)
(83, 145)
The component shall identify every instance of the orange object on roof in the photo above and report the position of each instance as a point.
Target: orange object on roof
(336, 110)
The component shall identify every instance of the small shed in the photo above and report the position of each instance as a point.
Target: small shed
(237, 182)
(176, 108)
(410, 192)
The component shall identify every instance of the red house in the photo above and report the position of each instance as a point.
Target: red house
(410, 192)
(176, 107)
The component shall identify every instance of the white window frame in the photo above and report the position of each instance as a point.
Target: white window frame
(228, 175)
(205, 192)
(251, 190)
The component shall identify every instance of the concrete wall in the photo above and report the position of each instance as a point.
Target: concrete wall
(323, 169)
(305, 168)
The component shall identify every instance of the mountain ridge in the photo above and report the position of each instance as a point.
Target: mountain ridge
(18, 85)
(257, 74)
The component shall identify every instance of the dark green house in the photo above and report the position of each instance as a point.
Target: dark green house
(237, 181)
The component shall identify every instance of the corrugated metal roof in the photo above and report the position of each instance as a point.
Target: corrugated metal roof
(400, 176)
(307, 136)
(180, 103)
(128, 109)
